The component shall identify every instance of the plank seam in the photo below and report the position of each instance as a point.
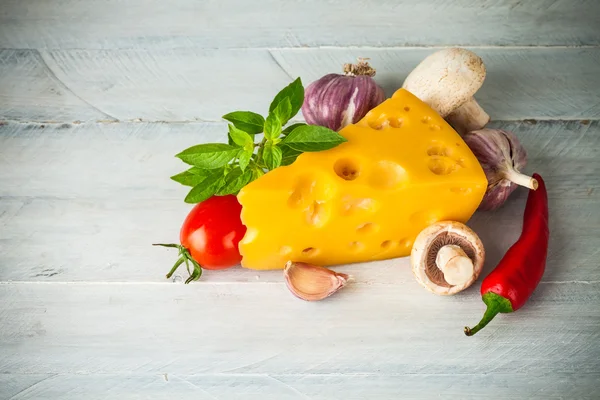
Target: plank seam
(282, 374)
(280, 283)
(584, 121)
(309, 48)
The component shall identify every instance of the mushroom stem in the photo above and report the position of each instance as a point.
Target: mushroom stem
(455, 264)
(468, 117)
(520, 179)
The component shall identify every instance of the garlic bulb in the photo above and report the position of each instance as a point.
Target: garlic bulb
(337, 100)
(311, 282)
(501, 157)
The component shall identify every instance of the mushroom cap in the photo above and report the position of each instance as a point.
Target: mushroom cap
(427, 245)
(447, 79)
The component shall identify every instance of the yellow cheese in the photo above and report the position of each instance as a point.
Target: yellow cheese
(402, 169)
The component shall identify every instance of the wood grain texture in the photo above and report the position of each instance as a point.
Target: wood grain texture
(104, 190)
(13, 385)
(531, 83)
(308, 386)
(29, 90)
(202, 85)
(232, 23)
(229, 335)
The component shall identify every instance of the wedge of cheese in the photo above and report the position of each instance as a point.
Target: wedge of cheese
(402, 169)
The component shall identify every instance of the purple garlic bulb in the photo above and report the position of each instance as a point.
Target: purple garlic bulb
(337, 100)
(502, 157)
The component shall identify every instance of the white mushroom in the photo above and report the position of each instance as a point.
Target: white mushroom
(447, 257)
(447, 80)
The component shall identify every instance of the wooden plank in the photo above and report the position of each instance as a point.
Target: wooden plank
(312, 23)
(30, 91)
(531, 83)
(192, 84)
(317, 387)
(63, 187)
(263, 329)
(12, 385)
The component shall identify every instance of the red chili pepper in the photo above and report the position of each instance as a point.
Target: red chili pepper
(508, 287)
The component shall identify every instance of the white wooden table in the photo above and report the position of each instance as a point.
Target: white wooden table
(97, 97)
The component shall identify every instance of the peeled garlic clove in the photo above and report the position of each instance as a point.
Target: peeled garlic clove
(501, 156)
(337, 100)
(311, 282)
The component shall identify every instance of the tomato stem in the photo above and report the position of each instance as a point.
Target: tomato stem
(184, 257)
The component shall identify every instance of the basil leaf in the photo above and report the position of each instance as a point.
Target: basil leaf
(290, 128)
(194, 176)
(186, 178)
(283, 111)
(257, 172)
(240, 137)
(234, 181)
(245, 155)
(206, 189)
(289, 155)
(295, 92)
(313, 138)
(272, 127)
(247, 121)
(272, 156)
(211, 155)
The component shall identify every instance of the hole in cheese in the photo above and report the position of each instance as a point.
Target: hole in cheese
(378, 124)
(435, 127)
(352, 205)
(356, 246)
(437, 150)
(347, 169)
(311, 187)
(426, 120)
(386, 244)
(387, 175)
(310, 251)
(406, 108)
(301, 194)
(376, 121)
(422, 219)
(406, 243)
(367, 228)
(285, 250)
(395, 122)
(440, 165)
(316, 214)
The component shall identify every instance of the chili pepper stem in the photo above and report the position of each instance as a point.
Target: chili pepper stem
(520, 179)
(495, 304)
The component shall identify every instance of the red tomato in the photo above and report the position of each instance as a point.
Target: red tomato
(209, 236)
(212, 230)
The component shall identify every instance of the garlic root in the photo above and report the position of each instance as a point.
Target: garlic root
(520, 179)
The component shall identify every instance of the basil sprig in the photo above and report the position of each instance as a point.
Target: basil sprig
(221, 169)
